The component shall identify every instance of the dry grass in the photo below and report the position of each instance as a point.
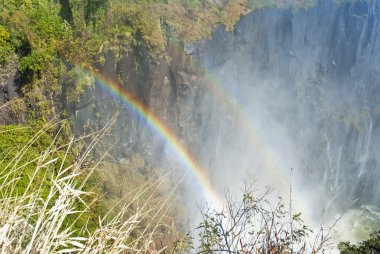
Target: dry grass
(120, 182)
(40, 221)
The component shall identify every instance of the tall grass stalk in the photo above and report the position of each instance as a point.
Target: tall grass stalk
(36, 221)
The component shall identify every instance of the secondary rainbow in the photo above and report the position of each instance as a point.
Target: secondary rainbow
(247, 124)
(273, 161)
(168, 135)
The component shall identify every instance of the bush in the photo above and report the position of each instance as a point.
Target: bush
(256, 225)
(5, 48)
(76, 84)
(370, 246)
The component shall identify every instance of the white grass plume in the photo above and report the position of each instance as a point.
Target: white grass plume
(36, 222)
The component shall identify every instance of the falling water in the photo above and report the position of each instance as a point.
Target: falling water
(308, 83)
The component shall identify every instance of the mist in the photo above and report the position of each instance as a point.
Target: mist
(304, 89)
(287, 98)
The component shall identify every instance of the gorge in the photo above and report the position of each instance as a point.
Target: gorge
(289, 97)
(294, 89)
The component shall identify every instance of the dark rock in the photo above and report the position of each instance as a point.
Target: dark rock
(9, 90)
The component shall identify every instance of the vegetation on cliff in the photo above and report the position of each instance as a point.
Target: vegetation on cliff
(41, 172)
(47, 39)
(47, 207)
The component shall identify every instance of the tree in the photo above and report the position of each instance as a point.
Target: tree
(254, 225)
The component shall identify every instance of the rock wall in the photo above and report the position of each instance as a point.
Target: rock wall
(307, 82)
(285, 89)
(169, 86)
(9, 92)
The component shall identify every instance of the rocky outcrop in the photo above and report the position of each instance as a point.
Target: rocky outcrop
(169, 85)
(9, 92)
(8, 86)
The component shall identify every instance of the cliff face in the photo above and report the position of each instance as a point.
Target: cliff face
(308, 83)
(169, 86)
(285, 89)
(9, 91)
(288, 89)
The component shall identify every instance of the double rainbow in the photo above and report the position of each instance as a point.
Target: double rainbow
(161, 129)
(255, 136)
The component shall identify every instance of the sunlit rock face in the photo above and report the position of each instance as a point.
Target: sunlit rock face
(306, 86)
(285, 89)
(154, 82)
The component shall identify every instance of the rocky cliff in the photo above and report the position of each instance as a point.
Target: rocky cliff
(307, 82)
(285, 89)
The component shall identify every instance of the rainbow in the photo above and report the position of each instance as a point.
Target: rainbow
(272, 161)
(257, 137)
(156, 124)
(255, 134)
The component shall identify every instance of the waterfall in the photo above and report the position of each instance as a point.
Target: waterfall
(306, 82)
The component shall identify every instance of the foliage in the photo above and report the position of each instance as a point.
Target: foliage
(45, 214)
(370, 246)
(120, 181)
(5, 47)
(134, 24)
(14, 139)
(35, 29)
(43, 39)
(46, 45)
(76, 84)
(36, 33)
(255, 225)
(21, 149)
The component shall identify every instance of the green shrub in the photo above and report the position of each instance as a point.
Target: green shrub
(5, 46)
(19, 148)
(369, 246)
(47, 205)
(76, 84)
